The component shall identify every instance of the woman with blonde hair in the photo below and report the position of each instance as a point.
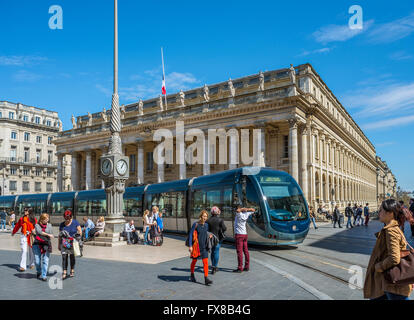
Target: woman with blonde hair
(198, 245)
(148, 220)
(385, 255)
(99, 227)
(42, 245)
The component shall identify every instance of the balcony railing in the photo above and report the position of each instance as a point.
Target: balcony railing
(31, 162)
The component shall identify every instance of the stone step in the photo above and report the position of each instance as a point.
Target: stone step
(106, 244)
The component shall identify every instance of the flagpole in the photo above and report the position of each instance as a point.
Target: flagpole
(163, 73)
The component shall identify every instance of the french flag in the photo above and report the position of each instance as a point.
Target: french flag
(164, 91)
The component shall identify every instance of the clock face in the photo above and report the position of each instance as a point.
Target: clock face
(106, 167)
(121, 167)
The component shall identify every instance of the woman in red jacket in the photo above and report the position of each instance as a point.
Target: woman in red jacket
(26, 225)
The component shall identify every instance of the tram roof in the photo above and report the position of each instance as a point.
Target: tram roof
(97, 194)
(63, 196)
(178, 185)
(7, 198)
(216, 178)
(133, 191)
(33, 197)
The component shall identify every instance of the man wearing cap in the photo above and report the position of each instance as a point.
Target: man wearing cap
(217, 227)
(240, 232)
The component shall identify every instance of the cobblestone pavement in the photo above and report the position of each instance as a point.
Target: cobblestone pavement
(316, 269)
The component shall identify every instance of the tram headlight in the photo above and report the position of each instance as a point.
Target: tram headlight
(294, 227)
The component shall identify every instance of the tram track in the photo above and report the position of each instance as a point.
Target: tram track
(314, 269)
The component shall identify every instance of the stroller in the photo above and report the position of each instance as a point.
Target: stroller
(157, 238)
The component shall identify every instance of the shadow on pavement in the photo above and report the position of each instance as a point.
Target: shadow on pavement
(25, 275)
(174, 278)
(11, 266)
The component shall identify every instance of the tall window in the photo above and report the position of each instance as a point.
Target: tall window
(49, 157)
(26, 154)
(26, 136)
(49, 123)
(25, 171)
(37, 120)
(14, 135)
(26, 186)
(13, 152)
(26, 118)
(38, 172)
(285, 146)
(150, 161)
(11, 115)
(13, 185)
(49, 140)
(1, 115)
(13, 171)
(132, 162)
(38, 186)
(38, 139)
(49, 187)
(38, 155)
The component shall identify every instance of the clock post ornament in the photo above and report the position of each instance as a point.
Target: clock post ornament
(114, 165)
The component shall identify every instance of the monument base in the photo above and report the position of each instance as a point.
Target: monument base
(111, 236)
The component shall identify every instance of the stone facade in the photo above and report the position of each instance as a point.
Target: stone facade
(28, 161)
(305, 131)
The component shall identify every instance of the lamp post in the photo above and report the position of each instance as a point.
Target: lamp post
(114, 165)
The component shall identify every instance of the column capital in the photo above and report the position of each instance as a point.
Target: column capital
(293, 122)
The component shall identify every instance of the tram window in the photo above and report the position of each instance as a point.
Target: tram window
(199, 200)
(172, 202)
(132, 207)
(60, 206)
(213, 199)
(38, 207)
(226, 209)
(91, 207)
(252, 201)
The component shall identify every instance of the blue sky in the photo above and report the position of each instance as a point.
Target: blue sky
(70, 70)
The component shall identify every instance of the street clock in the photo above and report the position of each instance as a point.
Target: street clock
(115, 166)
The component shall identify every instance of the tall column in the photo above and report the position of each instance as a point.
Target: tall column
(293, 148)
(160, 168)
(140, 164)
(206, 164)
(88, 180)
(304, 164)
(60, 172)
(233, 153)
(183, 171)
(74, 172)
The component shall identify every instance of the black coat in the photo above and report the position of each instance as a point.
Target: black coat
(217, 227)
(412, 208)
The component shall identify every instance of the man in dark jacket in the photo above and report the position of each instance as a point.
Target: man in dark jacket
(354, 211)
(366, 214)
(336, 217)
(217, 227)
(412, 212)
(348, 214)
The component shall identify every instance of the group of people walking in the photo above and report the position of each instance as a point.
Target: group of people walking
(207, 234)
(354, 212)
(3, 220)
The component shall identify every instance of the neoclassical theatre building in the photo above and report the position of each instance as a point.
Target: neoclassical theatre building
(305, 131)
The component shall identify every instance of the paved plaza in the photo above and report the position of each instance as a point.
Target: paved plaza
(317, 269)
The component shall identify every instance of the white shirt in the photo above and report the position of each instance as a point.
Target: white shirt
(129, 227)
(240, 222)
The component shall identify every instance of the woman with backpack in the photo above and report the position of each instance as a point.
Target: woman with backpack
(217, 227)
(42, 246)
(67, 232)
(197, 242)
(385, 255)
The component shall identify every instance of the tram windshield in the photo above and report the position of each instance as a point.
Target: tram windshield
(285, 199)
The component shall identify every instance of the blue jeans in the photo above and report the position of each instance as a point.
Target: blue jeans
(12, 225)
(87, 232)
(314, 223)
(146, 235)
(349, 223)
(215, 254)
(391, 296)
(41, 261)
(3, 224)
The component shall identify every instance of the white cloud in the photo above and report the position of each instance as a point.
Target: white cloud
(395, 122)
(332, 33)
(107, 92)
(20, 60)
(323, 50)
(26, 76)
(400, 55)
(148, 84)
(382, 100)
(393, 31)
